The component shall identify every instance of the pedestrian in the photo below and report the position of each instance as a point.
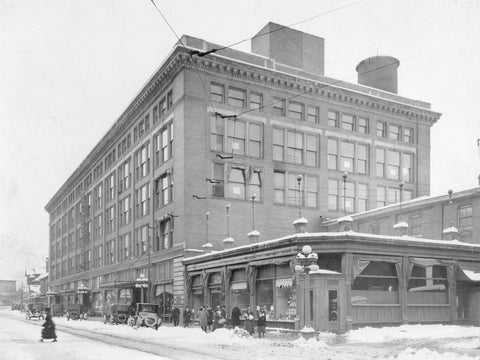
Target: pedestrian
(249, 322)
(186, 317)
(203, 319)
(48, 331)
(209, 318)
(261, 323)
(236, 317)
(175, 316)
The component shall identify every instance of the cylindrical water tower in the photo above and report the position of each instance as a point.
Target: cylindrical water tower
(379, 72)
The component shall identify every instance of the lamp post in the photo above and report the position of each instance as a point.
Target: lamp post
(344, 177)
(228, 219)
(299, 182)
(141, 283)
(306, 262)
(253, 210)
(49, 294)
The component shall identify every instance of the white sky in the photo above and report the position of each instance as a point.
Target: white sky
(69, 68)
(19, 341)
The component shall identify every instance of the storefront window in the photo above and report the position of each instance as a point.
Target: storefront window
(215, 288)
(428, 285)
(164, 298)
(125, 296)
(239, 294)
(376, 284)
(197, 292)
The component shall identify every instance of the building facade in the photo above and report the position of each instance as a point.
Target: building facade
(210, 129)
(7, 292)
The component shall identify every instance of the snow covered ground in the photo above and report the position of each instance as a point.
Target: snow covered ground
(406, 342)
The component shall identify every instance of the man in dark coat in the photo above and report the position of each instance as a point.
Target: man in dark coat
(186, 317)
(175, 316)
(48, 331)
(236, 316)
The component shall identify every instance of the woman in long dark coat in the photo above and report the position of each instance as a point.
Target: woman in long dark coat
(48, 331)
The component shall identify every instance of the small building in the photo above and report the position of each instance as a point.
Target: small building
(365, 279)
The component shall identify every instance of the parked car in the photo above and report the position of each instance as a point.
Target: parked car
(146, 315)
(34, 311)
(118, 314)
(57, 310)
(74, 311)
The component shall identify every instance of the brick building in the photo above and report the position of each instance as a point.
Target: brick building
(214, 127)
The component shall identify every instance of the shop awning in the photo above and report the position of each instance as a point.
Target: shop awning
(282, 283)
(468, 271)
(118, 285)
(238, 286)
(272, 261)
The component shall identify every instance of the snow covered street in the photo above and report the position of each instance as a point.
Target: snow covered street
(95, 340)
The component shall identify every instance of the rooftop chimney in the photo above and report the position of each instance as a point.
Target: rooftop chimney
(291, 47)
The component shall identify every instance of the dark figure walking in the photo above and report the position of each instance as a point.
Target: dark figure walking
(175, 316)
(48, 331)
(186, 317)
(236, 316)
(209, 318)
(261, 323)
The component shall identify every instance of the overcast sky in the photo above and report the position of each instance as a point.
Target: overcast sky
(69, 68)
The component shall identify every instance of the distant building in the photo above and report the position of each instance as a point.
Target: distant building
(215, 127)
(7, 291)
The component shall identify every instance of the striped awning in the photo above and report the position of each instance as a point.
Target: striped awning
(281, 283)
(239, 286)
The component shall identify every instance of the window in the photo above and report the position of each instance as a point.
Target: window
(312, 114)
(279, 106)
(155, 114)
(163, 106)
(294, 192)
(393, 165)
(408, 135)
(235, 137)
(110, 220)
(110, 187)
(294, 147)
(218, 187)
(142, 161)
(169, 100)
(362, 125)
(217, 92)
(236, 184)
(381, 129)
(349, 197)
(332, 118)
(164, 189)
(362, 159)
(141, 238)
(142, 196)
(236, 97)
(256, 101)
(312, 190)
(311, 150)
(381, 196)
(428, 285)
(348, 122)
(256, 185)
(347, 151)
(166, 234)
(97, 226)
(376, 284)
(362, 197)
(98, 192)
(332, 154)
(254, 140)
(278, 144)
(295, 110)
(393, 195)
(278, 187)
(124, 247)
(394, 132)
(109, 252)
(407, 165)
(216, 134)
(124, 176)
(465, 217)
(380, 169)
(332, 194)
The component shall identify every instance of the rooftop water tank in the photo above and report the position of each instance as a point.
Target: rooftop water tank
(379, 72)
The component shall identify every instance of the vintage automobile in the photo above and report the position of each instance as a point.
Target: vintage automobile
(74, 311)
(146, 315)
(118, 314)
(57, 310)
(34, 311)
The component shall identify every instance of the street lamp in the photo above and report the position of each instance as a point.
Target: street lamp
(253, 210)
(50, 294)
(344, 176)
(228, 219)
(141, 283)
(306, 262)
(82, 289)
(299, 182)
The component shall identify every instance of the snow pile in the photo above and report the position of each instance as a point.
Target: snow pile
(426, 354)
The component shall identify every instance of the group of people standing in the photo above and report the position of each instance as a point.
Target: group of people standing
(249, 320)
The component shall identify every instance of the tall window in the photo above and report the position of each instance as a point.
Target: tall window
(362, 159)
(381, 129)
(163, 144)
(294, 147)
(408, 135)
(295, 110)
(295, 195)
(393, 195)
(164, 190)
(216, 134)
(362, 197)
(217, 92)
(465, 218)
(380, 169)
(97, 226)
(124, 176)
(278, 106)
(312, 114)
(348, 122)
(124, 211)
(141, 238)
(124, 246)
(393, 165)
(169, 100)
(332, 154)
(254, 140)
(394, 132)
(155, 114)
(278, 144)
(163, 106)
(407, 165)
(256, 101)
(279, 187)
(311, 150)
(142, 161)
(142, 196)
(256, 185)
(236, 137)
(332, 194)
(218, 184)
(347, 151)
(236, 183)
(311, 191)
(381, 196)
(333, 118)
(236, 97)
(349, 197)
(110, 219)
(110, 186)
(362, 125)
(166, 233)
(98, 197)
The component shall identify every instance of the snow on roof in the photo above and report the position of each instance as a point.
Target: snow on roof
(450, 230)
(345, 218)
(324, 271)
(401, 224)
(472, 275)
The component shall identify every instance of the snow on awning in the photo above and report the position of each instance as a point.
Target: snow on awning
(468, 271)
(281, 283)
(239, 286)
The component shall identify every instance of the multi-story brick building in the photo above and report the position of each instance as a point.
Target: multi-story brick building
(213, 126)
